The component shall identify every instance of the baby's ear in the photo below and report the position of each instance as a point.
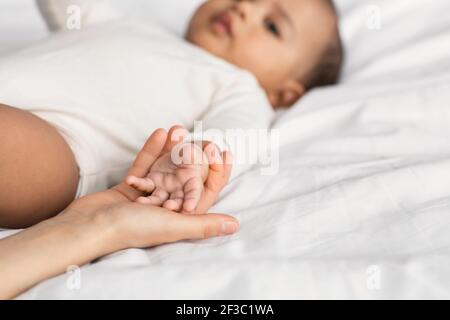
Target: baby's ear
(289, 94)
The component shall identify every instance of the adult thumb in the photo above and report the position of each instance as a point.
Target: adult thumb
(204, 226)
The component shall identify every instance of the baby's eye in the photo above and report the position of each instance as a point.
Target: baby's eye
(272, 27)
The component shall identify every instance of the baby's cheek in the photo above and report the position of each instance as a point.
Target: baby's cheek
(258, 59)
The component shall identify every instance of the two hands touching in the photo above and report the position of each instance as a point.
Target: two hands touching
(149, 208)
(176, 179)
(121, 217)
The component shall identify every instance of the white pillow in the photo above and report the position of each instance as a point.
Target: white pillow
(19, 25)
(173, 14)
(389, 40)
(58, 13)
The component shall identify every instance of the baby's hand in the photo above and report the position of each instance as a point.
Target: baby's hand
(175, 184)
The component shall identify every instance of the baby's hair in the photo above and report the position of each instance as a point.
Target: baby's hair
(328, 69)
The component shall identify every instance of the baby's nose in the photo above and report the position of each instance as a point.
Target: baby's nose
(242, 8)
(250, 11)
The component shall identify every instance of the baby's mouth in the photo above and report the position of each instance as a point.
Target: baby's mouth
(222, 23)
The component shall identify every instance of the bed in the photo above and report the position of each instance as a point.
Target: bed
(360, 207)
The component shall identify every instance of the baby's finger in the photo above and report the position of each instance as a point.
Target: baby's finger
(156, 199)
(175, 203)
(159, 196)
(142, 184)
(144, 200)
(192, 193)
(177, 195)
(152, 200)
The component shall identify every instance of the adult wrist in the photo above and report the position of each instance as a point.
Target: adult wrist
(50, 248)
(97, 230)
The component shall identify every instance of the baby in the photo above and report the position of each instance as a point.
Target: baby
(99, 91)
(290, 46)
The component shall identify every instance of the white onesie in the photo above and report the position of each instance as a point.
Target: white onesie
(107, 88)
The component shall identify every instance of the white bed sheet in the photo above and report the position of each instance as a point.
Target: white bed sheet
(359, 209)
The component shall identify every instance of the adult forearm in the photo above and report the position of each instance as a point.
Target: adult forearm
(48, 249)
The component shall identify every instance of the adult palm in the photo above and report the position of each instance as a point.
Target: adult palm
(139, 225)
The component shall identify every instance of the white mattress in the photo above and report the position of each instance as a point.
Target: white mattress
(359, 209)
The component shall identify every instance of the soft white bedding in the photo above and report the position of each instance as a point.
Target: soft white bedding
(360, 207)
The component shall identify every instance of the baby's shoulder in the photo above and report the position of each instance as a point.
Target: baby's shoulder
(152, 42)
(211, 65)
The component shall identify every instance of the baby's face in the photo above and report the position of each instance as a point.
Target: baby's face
(279, 41)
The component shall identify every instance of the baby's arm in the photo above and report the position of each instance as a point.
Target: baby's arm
(239, 121)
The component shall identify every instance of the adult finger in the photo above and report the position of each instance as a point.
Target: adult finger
(213, 155)
(219, 174)
(148, 154)
(176, 135)
(144, 226)
(196, 227)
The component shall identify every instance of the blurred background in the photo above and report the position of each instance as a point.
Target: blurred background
(20, 24)
(384, 39)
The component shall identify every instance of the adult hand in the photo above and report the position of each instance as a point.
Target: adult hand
(138, 225)
(105, 222)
